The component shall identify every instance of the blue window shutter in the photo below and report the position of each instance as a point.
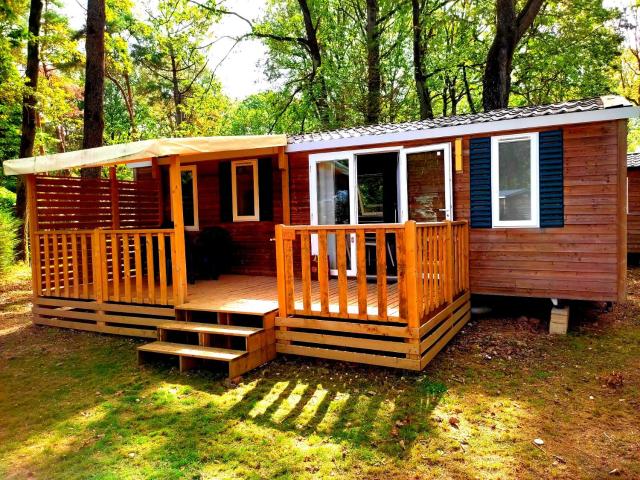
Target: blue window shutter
(551, 179)
(480, 182)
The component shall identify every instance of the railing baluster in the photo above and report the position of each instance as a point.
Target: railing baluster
(126, 265)
(74, 263)
(361, 272)
(85, 266)
(305, 252)
(288, 269)
(47, 262)
(151, 274)
(401, 265)
(56, 263)
(341, 248)
(174, 270)
(162, 267)
(138, 266)
(381, 272)
(323, 271)
(115, 263)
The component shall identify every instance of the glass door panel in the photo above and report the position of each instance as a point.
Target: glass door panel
(334, 206)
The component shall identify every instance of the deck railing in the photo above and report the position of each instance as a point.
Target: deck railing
(128, 266)
(418, 268)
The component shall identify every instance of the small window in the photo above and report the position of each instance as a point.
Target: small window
(189, 178)
(514, 181)
(245, 195)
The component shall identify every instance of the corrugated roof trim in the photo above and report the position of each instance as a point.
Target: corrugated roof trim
(573, 106)
(633, 160)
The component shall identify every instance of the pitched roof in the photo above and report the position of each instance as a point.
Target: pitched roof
(569, 107)
(633, 160)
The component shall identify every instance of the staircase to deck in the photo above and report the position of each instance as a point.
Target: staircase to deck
(242, 342)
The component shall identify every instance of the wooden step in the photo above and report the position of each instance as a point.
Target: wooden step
(192, 351)
(210, 328)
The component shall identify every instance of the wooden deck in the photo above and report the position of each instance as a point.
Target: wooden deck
(258, 295)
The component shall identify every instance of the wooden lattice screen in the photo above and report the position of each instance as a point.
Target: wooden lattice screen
(82, 203)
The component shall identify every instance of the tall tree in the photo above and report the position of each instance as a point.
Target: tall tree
(94, 81)
(510, 28)
(29, 111)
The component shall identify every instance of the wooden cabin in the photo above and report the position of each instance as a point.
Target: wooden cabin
(633, 204)
(360, 244)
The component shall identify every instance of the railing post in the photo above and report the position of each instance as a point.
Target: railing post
(97, 265)
(449, 263)
(411, 277)
(280, 272)
(179, 264)
(34, 241)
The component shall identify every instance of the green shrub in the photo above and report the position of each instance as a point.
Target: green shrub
(8, 229)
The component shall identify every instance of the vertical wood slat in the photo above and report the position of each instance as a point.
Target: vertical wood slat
(162, 268)
(288, 271)
(36, 267)
(85, 266)
(174, 283)
(305, 252)
(47, 262)
(126, 266)
(115, 266)
(64, 263)
(280, 277)
(151, 275)
(75, 267)
(104, 271)
(55, 248)
(381, 272)
(99, 266)
(401, 265)
(412, 298)
(361, 272)
(341, 251)
(449, 270)
(323, 271)
(138, 266)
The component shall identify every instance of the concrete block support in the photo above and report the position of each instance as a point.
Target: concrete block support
(559, 323)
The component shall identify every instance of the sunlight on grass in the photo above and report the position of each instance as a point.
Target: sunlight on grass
(261, 407)
(310, 409)
(290, 403)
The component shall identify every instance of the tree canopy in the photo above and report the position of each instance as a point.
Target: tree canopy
(329, 64)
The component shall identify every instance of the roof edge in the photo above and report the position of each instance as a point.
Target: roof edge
(619, 112)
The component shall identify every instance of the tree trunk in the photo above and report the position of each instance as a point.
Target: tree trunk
(422, 91)
(29, 115)
(321, 98)
(177, 96)
(94, 82)
(373, 63)
(496, 83)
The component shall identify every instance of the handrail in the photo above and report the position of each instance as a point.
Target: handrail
(419, 269)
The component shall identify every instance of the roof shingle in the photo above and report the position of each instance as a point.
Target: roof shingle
(633, 160)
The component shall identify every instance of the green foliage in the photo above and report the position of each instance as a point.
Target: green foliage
(8, 229)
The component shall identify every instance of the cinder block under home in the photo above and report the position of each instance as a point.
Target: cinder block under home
(559, 323)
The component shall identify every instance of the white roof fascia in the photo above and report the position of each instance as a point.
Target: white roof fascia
(470, 129)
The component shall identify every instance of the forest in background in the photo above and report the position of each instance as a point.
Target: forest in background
(140, 71)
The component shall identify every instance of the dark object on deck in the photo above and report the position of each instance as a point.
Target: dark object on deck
(212, 248)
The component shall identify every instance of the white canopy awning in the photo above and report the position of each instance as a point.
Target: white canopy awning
(139, 151)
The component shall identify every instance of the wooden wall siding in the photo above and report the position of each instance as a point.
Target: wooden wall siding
(581, 260)
(73, 202)
(633, 217)
(254, 250)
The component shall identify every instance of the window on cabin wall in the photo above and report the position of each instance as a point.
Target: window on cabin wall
(514, 181)
(189, 178)
(245, 191)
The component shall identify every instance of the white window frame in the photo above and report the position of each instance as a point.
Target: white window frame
(256, 191)
(534, 221)
(194, 176)
(404, 178)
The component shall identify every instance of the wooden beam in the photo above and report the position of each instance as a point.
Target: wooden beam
(32, 228)
(115, 209)
(179, 263)
(622, 210)
(283, 165)
(157, 176)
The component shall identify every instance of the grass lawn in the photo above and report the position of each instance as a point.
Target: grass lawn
(75, 405)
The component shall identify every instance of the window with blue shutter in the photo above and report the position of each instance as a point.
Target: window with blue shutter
(480, 182)
(551, 179)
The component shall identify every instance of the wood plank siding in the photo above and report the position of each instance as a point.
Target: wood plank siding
(585, 259)
(633, 218)
(253, 248)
